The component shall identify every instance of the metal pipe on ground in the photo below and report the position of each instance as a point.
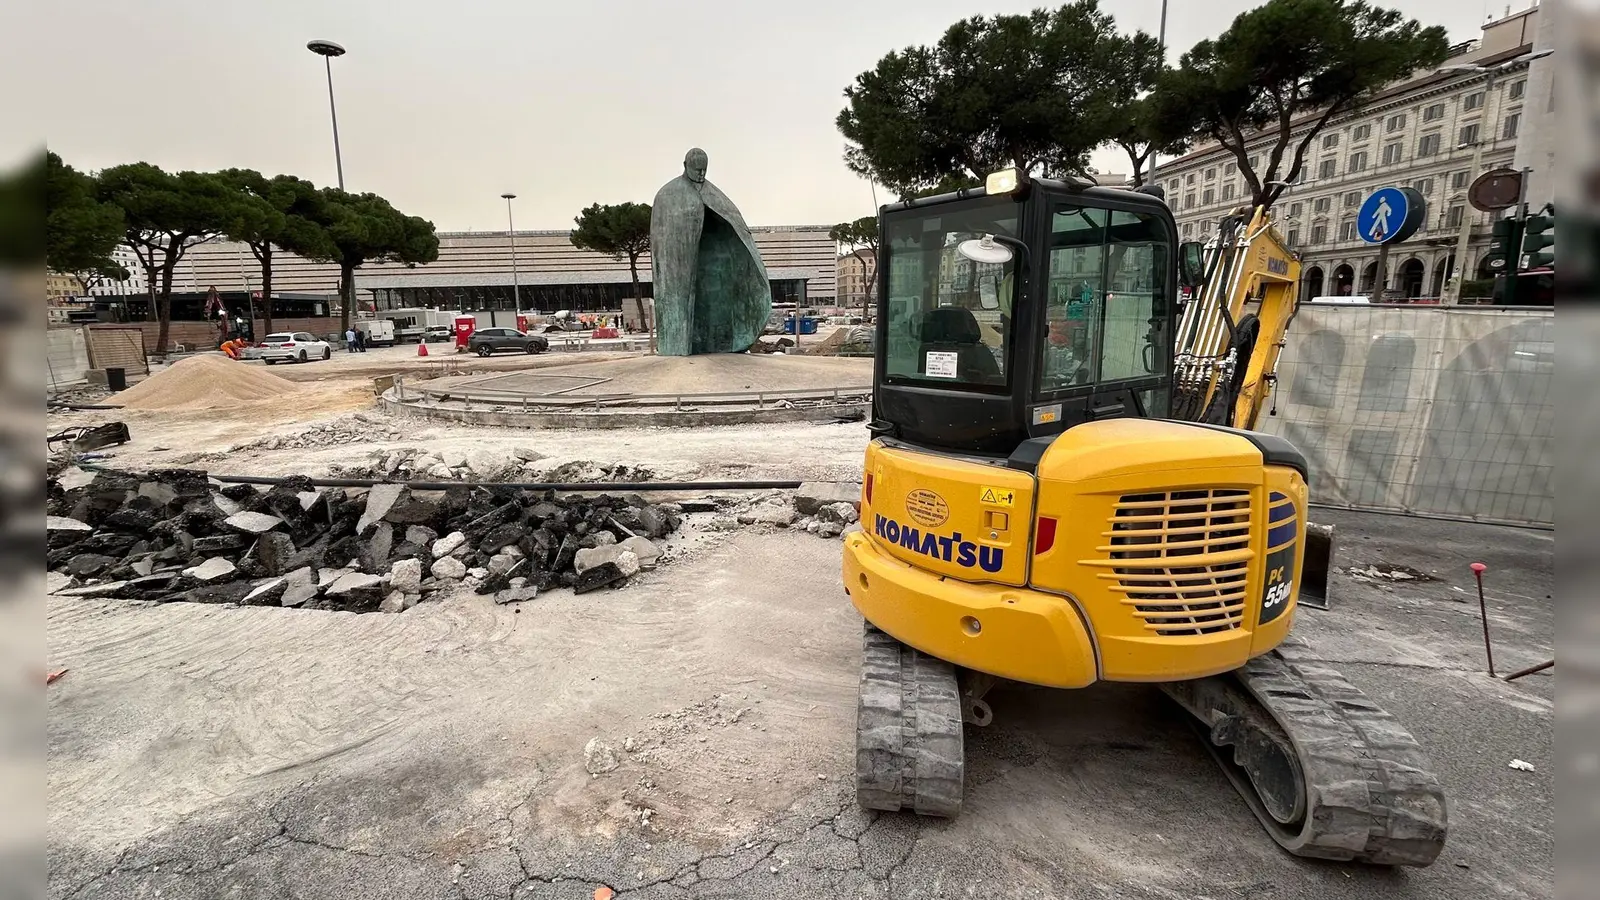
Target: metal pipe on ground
(1530, 670)
(629, 486)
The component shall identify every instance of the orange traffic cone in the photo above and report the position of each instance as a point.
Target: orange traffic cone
(422, 348)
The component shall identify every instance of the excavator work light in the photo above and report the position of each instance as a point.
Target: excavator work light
(1005, 181)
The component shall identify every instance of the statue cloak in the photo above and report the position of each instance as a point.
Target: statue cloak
(710, 287)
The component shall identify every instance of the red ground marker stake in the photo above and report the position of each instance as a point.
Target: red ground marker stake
(1483, 612)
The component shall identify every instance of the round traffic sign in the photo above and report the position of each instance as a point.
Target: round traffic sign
(1391, 215)
(1495, 190)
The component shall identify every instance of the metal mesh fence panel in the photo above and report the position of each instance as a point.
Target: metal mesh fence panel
(1427, 410)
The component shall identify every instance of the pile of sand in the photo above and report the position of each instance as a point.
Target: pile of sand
(211, 381)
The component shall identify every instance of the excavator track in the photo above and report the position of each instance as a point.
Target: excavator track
(909, 749)
(1328, 773)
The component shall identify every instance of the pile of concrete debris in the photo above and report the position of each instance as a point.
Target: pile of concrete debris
(174, 534)
(824, 508)
(344, 430)
(484, 464)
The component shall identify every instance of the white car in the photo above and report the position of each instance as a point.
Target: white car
(299, 346)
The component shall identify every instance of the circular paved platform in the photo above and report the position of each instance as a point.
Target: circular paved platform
(723, 389)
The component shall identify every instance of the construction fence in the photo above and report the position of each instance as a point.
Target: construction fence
(1428, 410)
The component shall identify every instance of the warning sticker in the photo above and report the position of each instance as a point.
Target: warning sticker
(941, 365)
(995, 496)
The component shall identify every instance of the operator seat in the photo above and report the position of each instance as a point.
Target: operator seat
(954, 329)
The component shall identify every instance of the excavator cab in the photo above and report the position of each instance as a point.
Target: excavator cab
(1032, 511)
(1021, 310)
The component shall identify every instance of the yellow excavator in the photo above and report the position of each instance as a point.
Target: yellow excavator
(1056, 494)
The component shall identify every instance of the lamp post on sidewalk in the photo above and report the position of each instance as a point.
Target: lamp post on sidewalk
(511, 234)
(1452, 293)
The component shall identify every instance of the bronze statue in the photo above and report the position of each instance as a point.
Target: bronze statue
(711, 290)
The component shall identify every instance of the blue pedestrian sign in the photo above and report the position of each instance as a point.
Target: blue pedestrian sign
(1391, 215)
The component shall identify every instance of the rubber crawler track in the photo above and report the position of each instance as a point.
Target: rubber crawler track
(1371, 793)
(909, 748)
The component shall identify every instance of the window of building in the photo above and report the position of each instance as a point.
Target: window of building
(1172, 185)
(1423, 186)
(1391, 153)
(1352, 199)
(1327, 168)
(1347, 230)
(1330, 141)
(1395, 123)
(1469, 135)
(1188, 229)
(1294, 210)
(1208, 196)
(1518, 88)
(1436, 111)
(1189, 179)
(1254, 163)
(1211, 173)
(1361, 133)
(1227, 191)
(1472, 101)
(1428, 144)
(1294, 237)
(1452, 219)
(1322, 204)
(1358, 161)
(1510, 130)
(1458, 181)
(1230, 170)
(1319, 234)
(1188, 199)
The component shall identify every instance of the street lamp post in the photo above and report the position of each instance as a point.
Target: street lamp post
(328, 50)
(1453, 287)
(511, 235)
(1161, 42)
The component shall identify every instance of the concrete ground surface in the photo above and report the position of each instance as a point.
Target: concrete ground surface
(203, 752)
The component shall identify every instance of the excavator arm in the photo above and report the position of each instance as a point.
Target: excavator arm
(1232, 332)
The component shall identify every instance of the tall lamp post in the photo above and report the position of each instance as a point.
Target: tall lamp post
(1453, 287)
(328, 50)
(1161, 42)
(511, 235)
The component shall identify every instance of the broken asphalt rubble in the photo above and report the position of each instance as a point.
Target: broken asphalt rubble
(173, 534)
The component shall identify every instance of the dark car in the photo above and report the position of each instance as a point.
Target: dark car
(485, 341)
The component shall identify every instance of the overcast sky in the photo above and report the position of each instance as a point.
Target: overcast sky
(446, 104)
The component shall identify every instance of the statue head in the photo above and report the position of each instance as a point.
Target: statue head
(694, 165)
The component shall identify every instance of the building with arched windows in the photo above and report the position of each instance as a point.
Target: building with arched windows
(1421, 133)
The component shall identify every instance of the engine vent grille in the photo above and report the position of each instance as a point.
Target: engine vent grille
(1181, 558)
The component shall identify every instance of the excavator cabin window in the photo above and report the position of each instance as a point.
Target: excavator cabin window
(1107, 298)
(949, 318)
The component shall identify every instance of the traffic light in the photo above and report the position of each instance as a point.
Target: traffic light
(1539, 242)
(1504, 245)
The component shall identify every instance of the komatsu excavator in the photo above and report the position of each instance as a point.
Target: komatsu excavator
(1055, 493)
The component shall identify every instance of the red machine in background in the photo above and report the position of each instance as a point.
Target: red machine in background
(464, 327)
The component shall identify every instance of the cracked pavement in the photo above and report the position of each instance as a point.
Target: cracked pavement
(204, 752)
